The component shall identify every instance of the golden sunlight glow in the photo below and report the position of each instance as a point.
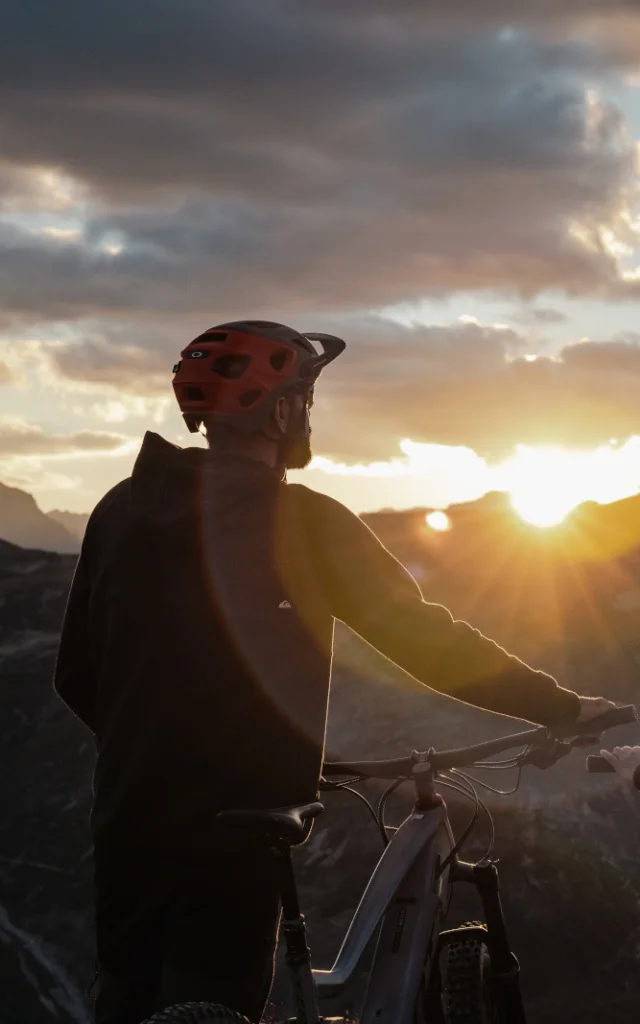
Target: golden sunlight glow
(438, 521)
(544, 483)
(540, 510)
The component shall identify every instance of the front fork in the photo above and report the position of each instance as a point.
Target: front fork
(505, 968)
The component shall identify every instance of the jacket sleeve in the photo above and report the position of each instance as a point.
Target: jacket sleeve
(373, 593)
(74, 679)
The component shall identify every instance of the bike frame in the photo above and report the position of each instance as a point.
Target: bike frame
(406, 897)
(408, 894)
(406, 900)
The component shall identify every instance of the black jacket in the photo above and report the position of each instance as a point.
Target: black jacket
(198, 634)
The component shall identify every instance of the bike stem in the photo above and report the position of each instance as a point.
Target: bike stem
(298, 956)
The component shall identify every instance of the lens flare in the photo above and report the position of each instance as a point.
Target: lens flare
(438, 521)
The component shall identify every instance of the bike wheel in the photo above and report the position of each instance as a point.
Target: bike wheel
(467, 984)
(197, 1013)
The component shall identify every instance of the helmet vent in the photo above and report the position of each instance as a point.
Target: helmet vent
(230, 367)
(215, 336)
(249, 397)
(195, 395)
(277, 360)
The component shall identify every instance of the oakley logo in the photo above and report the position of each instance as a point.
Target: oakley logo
(197, 355)
(284, 604)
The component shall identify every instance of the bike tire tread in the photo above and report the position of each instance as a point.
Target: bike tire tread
(197, 1013)
(464, 981)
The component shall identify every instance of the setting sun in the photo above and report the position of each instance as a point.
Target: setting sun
(545, 484)
(541, 509)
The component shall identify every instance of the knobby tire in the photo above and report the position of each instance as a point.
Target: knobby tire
(197, 1013)
(467, 984)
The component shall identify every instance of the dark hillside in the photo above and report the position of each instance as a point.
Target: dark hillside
(567, 843)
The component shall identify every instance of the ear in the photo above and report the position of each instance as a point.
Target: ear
(279, 421)
(282, 413)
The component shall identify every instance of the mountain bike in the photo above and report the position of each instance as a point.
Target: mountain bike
(420, 973)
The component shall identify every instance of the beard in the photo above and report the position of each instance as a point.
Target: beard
(296, 452)
(295, 447)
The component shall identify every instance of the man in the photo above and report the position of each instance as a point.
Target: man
(197, 646)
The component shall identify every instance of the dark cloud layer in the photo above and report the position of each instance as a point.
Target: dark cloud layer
(299, 155)
(20, 438)
(132, 369)
(462, 384)
(165, 166)
(471, 385)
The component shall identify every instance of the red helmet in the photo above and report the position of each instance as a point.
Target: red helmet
(234, 373)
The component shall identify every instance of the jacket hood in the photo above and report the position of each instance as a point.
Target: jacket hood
(166, 479)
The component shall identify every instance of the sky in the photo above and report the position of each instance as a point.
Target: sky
(452, 187)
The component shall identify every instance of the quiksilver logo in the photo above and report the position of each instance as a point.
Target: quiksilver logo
(284, 604)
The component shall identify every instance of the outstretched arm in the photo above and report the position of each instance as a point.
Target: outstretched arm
(74, 679)
(374, 594)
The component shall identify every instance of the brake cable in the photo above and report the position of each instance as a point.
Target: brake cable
(485, 785)
(461, 783)
(346, 786)
(492, 828)
(459, 843)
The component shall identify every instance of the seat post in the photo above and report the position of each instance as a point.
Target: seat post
(286, 880)
(298, 955)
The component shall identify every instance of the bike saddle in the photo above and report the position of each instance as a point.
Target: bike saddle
(288, 824)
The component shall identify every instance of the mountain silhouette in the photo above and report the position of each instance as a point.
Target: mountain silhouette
(23, 523)
(74, 522)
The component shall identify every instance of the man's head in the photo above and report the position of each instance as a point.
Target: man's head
(249, 386)
(284, 441)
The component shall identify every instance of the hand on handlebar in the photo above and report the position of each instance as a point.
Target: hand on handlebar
(593, 707)
(623, 760)
(596, 715)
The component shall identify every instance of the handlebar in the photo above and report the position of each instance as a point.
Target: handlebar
(402, 767)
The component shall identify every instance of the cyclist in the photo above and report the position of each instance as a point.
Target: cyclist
(197, 646)
(626, 762)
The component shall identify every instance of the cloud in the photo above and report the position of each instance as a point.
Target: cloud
(230, 162)
(621, 356)
(7, 375)
(465, 383)
(96, 372)
(540, 317)
(132, 369)
(472, 385)
(19, 438)
(271, 159)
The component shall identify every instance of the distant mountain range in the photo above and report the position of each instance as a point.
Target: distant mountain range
(23, 523)
(74, 522)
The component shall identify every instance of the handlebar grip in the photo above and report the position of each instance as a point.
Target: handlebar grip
(598, 765)
(617, 716)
